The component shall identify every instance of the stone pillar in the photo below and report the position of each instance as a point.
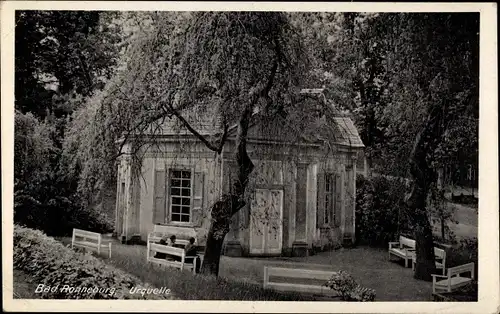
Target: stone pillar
(233, 246)
(365, 166)
(349, 200)
(343, 198)
(289, 190)
(299, 246)
(354, 162)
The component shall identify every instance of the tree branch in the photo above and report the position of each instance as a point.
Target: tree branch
(191, 129)
(129, 132)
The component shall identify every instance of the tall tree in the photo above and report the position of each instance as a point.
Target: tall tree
(413, 79)
(349, 61)
(60, 58)
(59, 52)
(435, 83)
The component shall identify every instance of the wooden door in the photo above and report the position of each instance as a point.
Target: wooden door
(266, 223)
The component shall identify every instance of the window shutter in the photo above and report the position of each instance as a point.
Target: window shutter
(338, 200)
(320, 208)
(159, 197)
(167, 213)
(198, 187)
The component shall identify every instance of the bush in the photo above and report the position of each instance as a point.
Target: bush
(465, 252)
(380, 213)
(52, 264)
(59, 216)
(44, 190)
(345, 285)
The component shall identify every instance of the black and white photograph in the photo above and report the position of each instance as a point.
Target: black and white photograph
(321, 154)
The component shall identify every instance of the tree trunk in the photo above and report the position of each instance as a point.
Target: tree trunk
(423, 176)
(213, 250)
(219, 227)
(229, 204)
(222, 211)
(425, 265)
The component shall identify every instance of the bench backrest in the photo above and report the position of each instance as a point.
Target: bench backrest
(406, 242)
(295, 273)
(156, 237)
(88, 235)
(439, 253)
(465, 268)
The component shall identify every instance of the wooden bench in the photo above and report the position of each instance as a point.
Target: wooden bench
(188, 262)
(403, 248)
(440, 257)
(298, 273)
(453, 280)
(90, 240)
(155, 237)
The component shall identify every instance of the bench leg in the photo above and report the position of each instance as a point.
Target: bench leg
(110, 250)
(406, 263)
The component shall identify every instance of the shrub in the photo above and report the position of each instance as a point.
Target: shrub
(465, 252)
(441, 213)
(44, 190)
(380, 213)
(52, 264)
(59, 216)
(344, 284)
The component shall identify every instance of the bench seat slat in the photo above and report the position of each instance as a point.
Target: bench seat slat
(401, 252)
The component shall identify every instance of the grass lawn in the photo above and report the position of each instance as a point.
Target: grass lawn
(370, 267)
(241, 278)
(466, 226)
(467, 221)
(184, 285)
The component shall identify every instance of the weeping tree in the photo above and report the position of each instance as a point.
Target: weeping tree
(226, 64)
